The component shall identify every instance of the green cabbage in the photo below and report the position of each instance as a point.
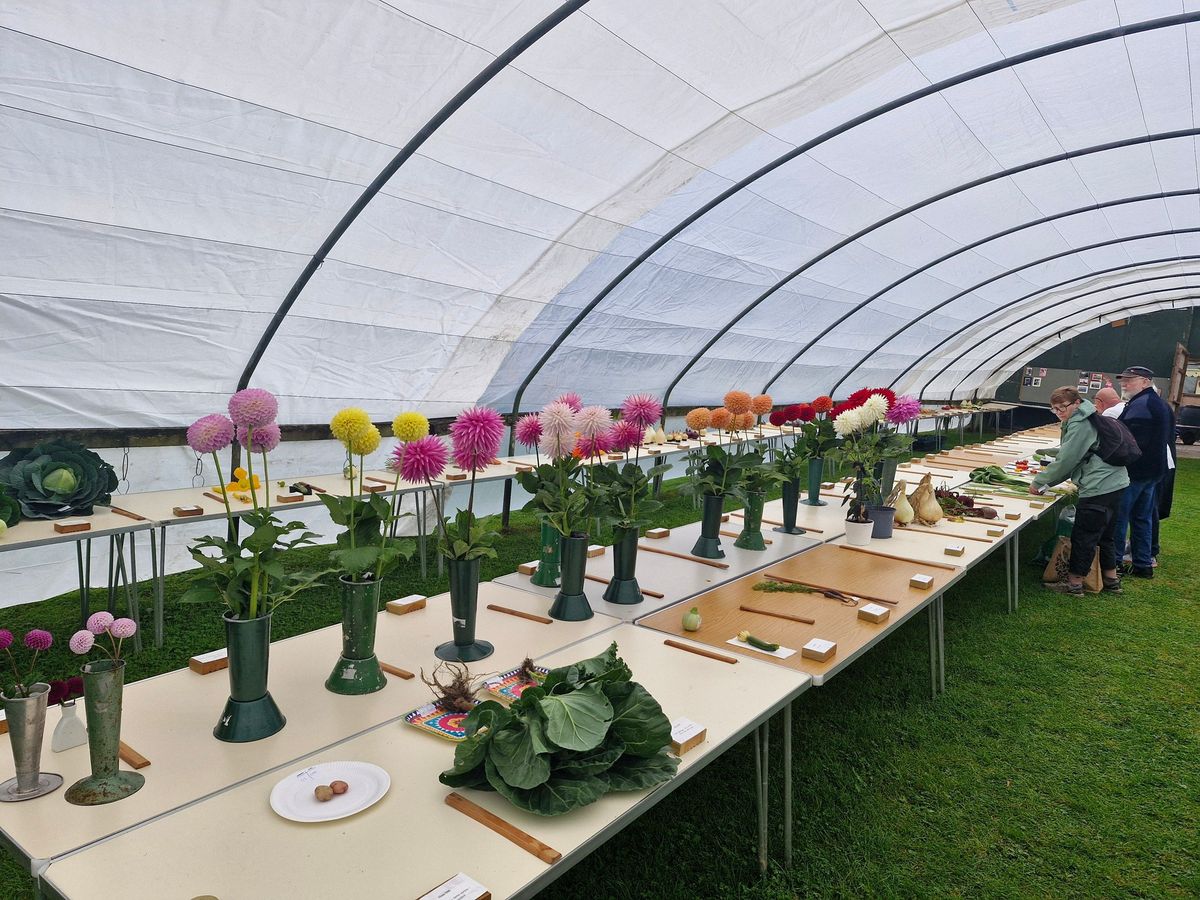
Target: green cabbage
(10, 510)
(57, 478)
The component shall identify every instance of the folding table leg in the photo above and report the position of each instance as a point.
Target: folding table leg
(787, 786)
(932, 614)
(941, 633)
(761, 760)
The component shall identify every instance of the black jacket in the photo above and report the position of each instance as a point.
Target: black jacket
(1149, 418)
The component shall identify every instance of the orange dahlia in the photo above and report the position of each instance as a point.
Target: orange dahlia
(698, 419)
(744, 421)
(823, 404)
(737, 402)
(722, 418)
(761, 405)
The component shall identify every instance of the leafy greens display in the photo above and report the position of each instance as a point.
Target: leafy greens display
(588, 729)
(57, 478)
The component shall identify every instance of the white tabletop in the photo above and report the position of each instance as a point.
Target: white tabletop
(411, 841)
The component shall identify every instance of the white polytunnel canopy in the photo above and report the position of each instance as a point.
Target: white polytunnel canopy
(433, 203)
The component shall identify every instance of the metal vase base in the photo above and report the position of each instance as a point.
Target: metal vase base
(817, 502)
(473, 652)
(356, 676)
(47, 783)
(625, 591)
(249, 720)
(571, 607)
(783, 530)
(96, 790)
(709, 548)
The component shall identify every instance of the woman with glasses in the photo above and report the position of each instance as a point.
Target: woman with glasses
(1100, 489)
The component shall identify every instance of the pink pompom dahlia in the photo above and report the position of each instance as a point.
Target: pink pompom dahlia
(98, 622)
(253, 407)
(422, 460)
(529, 430)
(81, 642)
(476, 434)
(595, 444)
(38, 639)
(260, 439)
(572, 399)
(593, 420)
(642, 410)
(210, 434)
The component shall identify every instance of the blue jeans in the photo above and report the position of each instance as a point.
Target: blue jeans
(1137, 516)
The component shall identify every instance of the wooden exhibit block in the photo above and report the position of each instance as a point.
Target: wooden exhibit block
(460, 887)
(289, 498)
(595, 550)
(524, 468)
(215, 661)
(686, 734)
(1036, 504)
(527, 568)
(956, 549)
(374, 488)
(184, 511)
(724, 517)
(408, 604)
(70, 526)
(457, 476)
(1012, 517)
(819, 649)
(921, 582)
(995, 532)
(904, 466)
(653, 452)
(873, 612)
(616, 457)
(827, 485)
(657, 533)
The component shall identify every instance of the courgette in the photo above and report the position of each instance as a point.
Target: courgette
(757, 643)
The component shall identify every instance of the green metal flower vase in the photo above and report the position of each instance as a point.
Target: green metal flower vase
(547, 570)
(571, 603)
(103, 686)
(708, 544)
(751, 536)
(357, 669)
(791, 504)
(250, 713)
(26, 718)
(816, 468)
(624, 588)
(464, 608)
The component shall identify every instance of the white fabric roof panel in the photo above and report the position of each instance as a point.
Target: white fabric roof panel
(166, 173)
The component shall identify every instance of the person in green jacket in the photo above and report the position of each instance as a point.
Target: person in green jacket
(1100, 489)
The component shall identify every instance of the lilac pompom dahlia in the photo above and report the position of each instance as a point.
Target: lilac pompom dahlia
(260, 439)
(253, 407)
(39, 639)
(6, 638)
(122, 629)
(904, 409)
(476, 434)
(81, 642)
(210, 434)
(98, 622)
(642, 410)
(423, 460)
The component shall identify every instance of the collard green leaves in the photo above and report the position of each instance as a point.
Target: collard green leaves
(587, 730)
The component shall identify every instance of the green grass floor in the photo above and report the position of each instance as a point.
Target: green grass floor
(1063, 759)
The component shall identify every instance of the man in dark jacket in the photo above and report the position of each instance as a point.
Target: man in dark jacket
(1148, 418)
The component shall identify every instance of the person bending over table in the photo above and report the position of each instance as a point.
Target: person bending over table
(1101, 487)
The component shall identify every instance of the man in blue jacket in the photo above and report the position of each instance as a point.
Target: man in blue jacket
(1148, 418)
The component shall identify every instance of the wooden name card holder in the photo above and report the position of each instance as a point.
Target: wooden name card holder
(408, 604)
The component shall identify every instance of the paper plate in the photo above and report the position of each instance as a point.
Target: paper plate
(293, 797)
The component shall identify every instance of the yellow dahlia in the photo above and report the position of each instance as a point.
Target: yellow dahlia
(365, 442)
(409, 427)
(346, 424)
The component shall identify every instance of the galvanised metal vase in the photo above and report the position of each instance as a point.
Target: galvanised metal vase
(816, 468)
(571, 603)
(357, 670)
(464, 607)
(624, 588)
(103, 687)
(250, 712)
(26, 717)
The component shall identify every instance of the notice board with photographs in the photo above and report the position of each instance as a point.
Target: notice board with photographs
(1038, 382)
